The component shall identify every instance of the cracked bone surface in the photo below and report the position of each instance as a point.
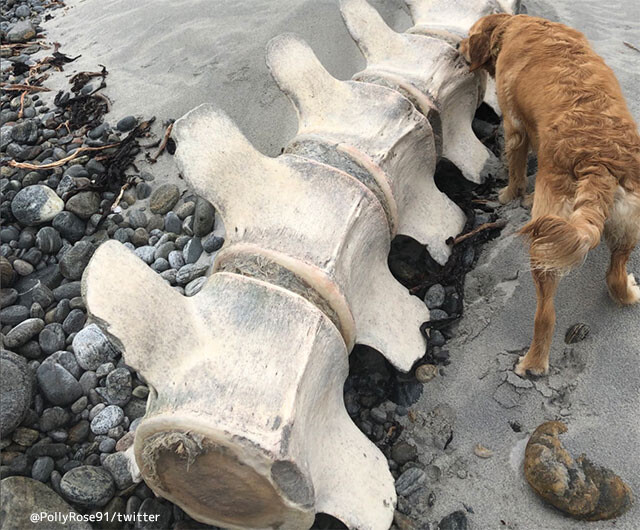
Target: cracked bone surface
(372, 133)
(433, 75)
(307, 226)
(450, 21)
(237, 433)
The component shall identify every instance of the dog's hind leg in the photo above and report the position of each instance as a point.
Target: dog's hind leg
(516, 150)
(622, 233)
(536, 361)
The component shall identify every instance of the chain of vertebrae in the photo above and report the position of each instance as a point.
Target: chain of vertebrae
(246, 425)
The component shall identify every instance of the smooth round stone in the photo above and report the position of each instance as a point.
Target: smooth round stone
(118, 387)
(51, 338)
(57, 384)
(22, 11)
(62, 311)
(185, 209)
(176, 259)
(194, 286)
(68, 290)
(438, 314)
(163, 249)
(160, 265)
(138, 219)
(122, 234)
(143, 190)
(21, 497)
(23, 332)
(118, 466)
(107, 445)
(48, 240)
(140, 237)
(9, 233)
(190, 272)
(146, 253)
(16, 387)
(88, 486)
(84, 204)
(172, 223)
(27, 238)
(76, 259)
(435, 296)
(74, 321)
(7, 297)
(106, 419)
(92, 348)
(192, 250)
(42, 468)
(53, 418)
(36, 204)
(164, 198)
(212, 243)
(203, 217)
(70, 226)
(127, 123)
(23, 268)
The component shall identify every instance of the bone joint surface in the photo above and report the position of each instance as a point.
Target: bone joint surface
(246, 425)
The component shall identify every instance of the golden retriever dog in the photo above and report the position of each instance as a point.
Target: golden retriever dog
(559, 97)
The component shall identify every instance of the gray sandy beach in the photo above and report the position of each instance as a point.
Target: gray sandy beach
(166, 57)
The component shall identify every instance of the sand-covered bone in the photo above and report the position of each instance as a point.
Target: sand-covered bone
(577, 487)
(236, 433)
(365, 128)
(318, 222)
(431, 73)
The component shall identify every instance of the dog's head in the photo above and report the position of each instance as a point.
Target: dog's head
(481, 48)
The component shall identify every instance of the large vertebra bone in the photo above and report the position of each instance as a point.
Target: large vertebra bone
(311, 226)
(433, 75)
(245, 424)
(372, 133)
(450, 21)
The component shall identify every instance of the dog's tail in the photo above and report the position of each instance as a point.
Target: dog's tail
(558, 244)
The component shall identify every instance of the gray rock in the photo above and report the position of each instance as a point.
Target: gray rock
(212, 243)
(52, 338)
(172, 223)
(48, 240)
(164, 198)
(163, 249)
(68, 290)
(25, 132)
(74, 321)
(107, 445)
(190, 272)
(160, 265)
(21, 31)
(22, 11)
(7, 297)
(194, 286)
(138, 219)
(118, 465)
(76, 259)
(42, 468)
(118, 387)
(143, 190)
(136, 408)
(88, 486)
(127, 123)
(146, 253)
(14, 314)
(403, 452)
(57, 384)
(20, 497)
(106, 419)
(203, 217)
(53, 418)
(454, 521)
(154, 511)
(410, 481)
(16, 388)
(35, 205)
(435, 296)
(92, 348)
(176, 259)
(140, 237)
(438, 314)
(84, 204)
(186, 209)
(192, 250)
(23, 332)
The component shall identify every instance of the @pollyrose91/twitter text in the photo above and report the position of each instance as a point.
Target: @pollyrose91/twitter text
(96, 517)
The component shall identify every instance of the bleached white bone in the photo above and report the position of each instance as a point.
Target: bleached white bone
(314, 221)
(246, 425)
(372, 133)
(450, 20)
(433, 75)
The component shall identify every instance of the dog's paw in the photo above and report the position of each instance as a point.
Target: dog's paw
(505, 196)
(527, 201)
(524, 368)
(633, 290)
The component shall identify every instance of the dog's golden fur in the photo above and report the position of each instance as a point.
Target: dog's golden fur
(559, 97)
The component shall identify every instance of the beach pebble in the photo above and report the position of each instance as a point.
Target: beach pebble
(25, 132)
(23, 332)
(435, 296)
(23, 268)
(53, 418)
(164, 198)
(14, 314)
(68, 290)
(176, 259)
(138, 219)
(118, 465)
(42, 468)
(212, 243)
(192, 250)
(172, 223)
(454, 521)
(106, 419)
(76, 259)
(16, 386)
(193, 287)
(403, 452)
(146, 253)
(155, 511)
(127, 123)
(36, 204)
(118, 387)
(92, 348)
(21, 31)
(52, 338)
(84, 204)
(87, 486)
(48, 240)
(70, 226)
(410, 481)
(57, 384)
(74, 322)
(203, 217)
(190, 272)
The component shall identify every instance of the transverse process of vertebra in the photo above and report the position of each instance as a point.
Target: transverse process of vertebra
(249, 429)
